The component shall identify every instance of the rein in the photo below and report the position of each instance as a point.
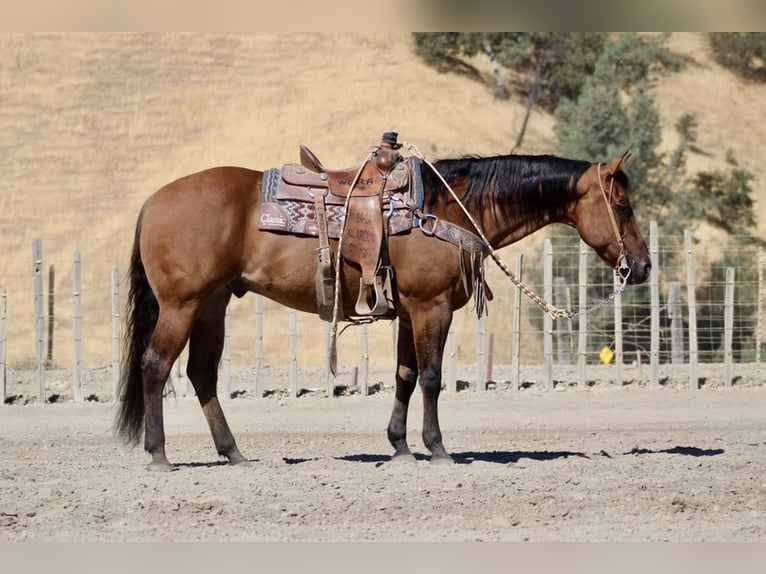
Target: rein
(622, 269)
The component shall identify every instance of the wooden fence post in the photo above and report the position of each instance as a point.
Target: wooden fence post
(654, 285)
(226, 358)
(451, 358)
(51, 294)
(582, 325)
(364, 366)
(759, 310)
(728, 327)
(562, 300)
(258, 346)
(619, 356)
(691, 300)
(329, 378)
(481, 349)
(3, 347)
(292, 322)
(547, 320)
(676, 324)
(489, 359)
(77, 327)
(516, 355)
(37, 279)
(116, 358)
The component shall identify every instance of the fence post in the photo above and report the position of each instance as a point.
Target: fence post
(292, 321)
(226, 359)
(451, 355)
(258, 346)
(183, 365)
(364, 366)
(676, 324)
(728, 327)
(759, 311)
(329, 380)
(691, 299)
(481, 381)
(115, 333)
(618, 341)
(561, 298)
(51, 294)
(37, 279)
(516, 355)
(3, 348)
(582, 326)
(654, 285)
(547, 320)
(77, 327)
(489, 359)
(395, 336)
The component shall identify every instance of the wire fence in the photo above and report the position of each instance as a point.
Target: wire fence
(701, 307)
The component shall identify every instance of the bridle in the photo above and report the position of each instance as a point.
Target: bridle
(622, 266)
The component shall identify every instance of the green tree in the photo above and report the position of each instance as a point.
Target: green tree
(552, 66)
(725, 198)
(615, 112)
(744, 53)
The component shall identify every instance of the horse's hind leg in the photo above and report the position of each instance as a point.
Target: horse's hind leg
(406, 379)
(205, 348)
(166, 343)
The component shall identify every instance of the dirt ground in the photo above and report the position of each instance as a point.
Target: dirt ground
(602, 463)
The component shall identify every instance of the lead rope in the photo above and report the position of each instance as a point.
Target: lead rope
(553, 311)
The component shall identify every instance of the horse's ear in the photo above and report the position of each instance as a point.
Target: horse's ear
(615, 165)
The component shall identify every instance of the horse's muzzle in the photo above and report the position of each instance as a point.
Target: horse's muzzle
(639, 270)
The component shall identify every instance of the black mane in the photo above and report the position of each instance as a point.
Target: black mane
(520, 185)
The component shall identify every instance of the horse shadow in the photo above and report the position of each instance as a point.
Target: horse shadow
(469, 457)
(682, 450)
(512, 457)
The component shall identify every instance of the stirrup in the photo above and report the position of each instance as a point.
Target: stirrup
(379, 304)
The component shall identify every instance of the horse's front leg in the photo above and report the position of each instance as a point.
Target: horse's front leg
(430, 330)
(406, 379)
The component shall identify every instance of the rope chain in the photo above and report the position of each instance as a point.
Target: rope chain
(553, 311)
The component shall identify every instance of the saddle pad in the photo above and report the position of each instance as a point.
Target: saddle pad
(299, 216)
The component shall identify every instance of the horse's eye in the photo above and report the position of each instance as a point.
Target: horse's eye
(622, 208)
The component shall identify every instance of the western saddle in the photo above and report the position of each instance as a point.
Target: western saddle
(360, 206)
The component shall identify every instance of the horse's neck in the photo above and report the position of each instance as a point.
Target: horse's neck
(503, 226)
(502, 231)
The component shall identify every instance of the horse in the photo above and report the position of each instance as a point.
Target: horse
(197, 243)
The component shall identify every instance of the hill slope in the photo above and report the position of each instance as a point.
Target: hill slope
(91, 124)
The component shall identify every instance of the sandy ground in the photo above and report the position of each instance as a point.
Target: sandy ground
(603, 463)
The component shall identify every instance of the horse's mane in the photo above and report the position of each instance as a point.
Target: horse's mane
(518, 184)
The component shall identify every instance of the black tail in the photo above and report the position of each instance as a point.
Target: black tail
(142, 312)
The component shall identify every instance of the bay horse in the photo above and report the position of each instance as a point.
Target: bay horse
(197, 243)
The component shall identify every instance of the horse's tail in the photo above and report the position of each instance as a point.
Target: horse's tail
(142, 313)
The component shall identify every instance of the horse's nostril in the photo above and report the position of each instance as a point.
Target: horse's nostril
(647, 269)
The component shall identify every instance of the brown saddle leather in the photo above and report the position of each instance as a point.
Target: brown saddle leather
(367, 193)
(299, 183)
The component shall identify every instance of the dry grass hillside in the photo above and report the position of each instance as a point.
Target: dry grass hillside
(91, 124)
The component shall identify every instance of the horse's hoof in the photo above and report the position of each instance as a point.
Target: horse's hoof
(403, 458)
(240, 462)
(155, 466)
(442, 460)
